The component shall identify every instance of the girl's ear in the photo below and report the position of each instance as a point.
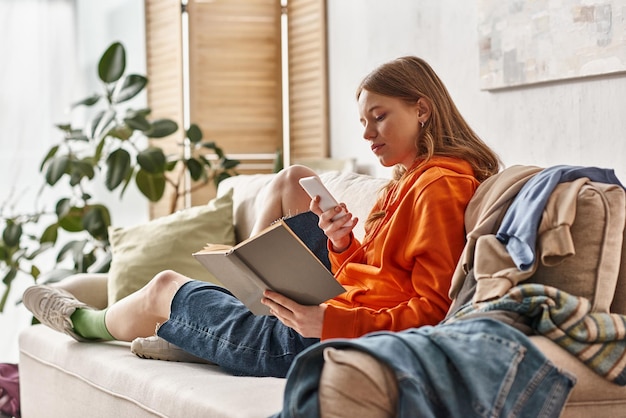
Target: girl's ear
(423, 110)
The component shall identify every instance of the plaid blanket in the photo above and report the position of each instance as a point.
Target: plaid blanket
(597, 339)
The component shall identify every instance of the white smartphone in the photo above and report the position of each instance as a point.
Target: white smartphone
(314, 187)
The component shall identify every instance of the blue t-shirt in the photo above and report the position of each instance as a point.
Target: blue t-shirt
(518, 230)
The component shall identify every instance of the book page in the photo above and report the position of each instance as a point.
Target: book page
(216, 248)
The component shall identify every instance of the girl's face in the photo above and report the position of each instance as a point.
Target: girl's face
(391, 126)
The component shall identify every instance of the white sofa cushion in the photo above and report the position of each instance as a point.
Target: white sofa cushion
(60, 377)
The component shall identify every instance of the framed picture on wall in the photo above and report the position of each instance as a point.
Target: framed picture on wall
(526, 42)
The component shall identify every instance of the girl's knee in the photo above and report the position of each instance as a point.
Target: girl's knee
(164, 285)
(289, 176)
(163, 276)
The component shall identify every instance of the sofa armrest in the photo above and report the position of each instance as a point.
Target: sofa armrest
(90, 288)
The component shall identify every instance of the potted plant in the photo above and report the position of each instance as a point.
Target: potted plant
(116, 147)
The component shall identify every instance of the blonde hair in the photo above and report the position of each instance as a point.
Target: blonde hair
(446, 133)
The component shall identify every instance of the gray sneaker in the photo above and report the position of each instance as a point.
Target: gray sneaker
(53, 306)
(156, 348)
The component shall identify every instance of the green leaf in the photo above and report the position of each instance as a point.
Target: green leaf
(228, 164)
(96, 221)
(35, 272)
(132, 85)
(127, 180)
(4, 252)
(171, 165)
(195, 169)
(65, 127)
(99, 149)
(101, 123)
(88, 101)
(50, 234)
(122, 132)
(8, 278)
(113, 63)
(132, 113)
(209, 145)
(12, 234)
(76, 135)
(118, 166)
(151, 185)
(80, 169)
(71, 249)
(278, 161)
(58, 166)
(63, 207)
(137, 121)
(220, 154)
(42, 248)
(194, 134)
(93, 124)
(5, 296)
(104, 264)
(84, 261)
(72, 221)
(161, 128)
(152, 160)
(205, 161)
(51, 153)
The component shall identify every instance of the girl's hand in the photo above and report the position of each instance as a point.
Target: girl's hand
(305, 320)
(339, 230)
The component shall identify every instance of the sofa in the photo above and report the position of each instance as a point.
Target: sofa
(60, 377)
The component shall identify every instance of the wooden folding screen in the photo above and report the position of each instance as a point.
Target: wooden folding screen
(235, 78)
(308, 98)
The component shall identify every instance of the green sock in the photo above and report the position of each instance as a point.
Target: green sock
(89, 323)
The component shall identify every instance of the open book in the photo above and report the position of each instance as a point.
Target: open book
(276, 259)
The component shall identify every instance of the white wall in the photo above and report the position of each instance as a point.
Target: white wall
(32, 101)
(52, 51)
(579, 122)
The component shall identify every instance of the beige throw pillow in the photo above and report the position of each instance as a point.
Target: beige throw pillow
(139, 252)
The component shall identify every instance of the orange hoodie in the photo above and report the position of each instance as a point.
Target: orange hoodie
(400, 277)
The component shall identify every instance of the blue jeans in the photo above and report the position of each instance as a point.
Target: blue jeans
(470, 368)
(208, 321)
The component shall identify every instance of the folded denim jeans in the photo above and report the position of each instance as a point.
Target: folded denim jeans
(470, 368)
